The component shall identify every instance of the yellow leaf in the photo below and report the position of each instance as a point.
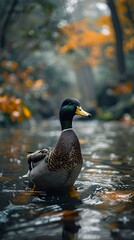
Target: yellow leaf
(26, 112)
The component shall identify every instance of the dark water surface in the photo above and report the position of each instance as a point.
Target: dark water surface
(101, 208)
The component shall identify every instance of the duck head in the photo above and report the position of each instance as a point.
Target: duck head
(69, 108)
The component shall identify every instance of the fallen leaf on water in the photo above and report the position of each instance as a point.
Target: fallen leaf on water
(118, 195)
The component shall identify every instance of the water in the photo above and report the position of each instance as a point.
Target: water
(102, 206)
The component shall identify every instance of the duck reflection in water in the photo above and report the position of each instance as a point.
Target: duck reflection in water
(70, 230)
(49, 209)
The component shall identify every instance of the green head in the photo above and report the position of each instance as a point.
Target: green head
(69, 108)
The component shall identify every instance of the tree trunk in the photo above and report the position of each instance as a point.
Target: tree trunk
(119, 41)
(5, 22)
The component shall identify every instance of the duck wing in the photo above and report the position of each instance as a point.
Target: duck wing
(34, 158)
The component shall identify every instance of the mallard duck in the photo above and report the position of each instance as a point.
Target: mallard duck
(58, 168)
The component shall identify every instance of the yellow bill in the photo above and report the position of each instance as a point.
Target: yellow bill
(81, 112)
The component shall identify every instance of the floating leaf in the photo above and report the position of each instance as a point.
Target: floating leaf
(118, 195)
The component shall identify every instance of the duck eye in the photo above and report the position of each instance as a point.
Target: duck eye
(70, 103)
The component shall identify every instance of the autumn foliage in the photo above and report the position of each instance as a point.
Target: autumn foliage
(17, 85)
(14, 108)
(99, 38)
(80, 35)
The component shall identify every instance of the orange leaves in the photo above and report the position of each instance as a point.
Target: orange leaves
(129, 45)
(93, 62)
(121, 6)
(26, 112)
(21, 82)
(12, 73)
(100, 36)
(79, 35)
(94, 58)
(16, 77)
(38, 83)
(124, 88)
(105, 21)
(11, 65)
(75, 27)
(15, 108)
(29, 83)
(24, 74)
(30, 69)
(74, 33)
(109, 52)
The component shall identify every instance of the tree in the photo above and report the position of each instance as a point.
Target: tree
(111, 36)
(32, 71)
(119, 41)
(6, 14)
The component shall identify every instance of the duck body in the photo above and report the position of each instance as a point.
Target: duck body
(58, 168)
(62, 167)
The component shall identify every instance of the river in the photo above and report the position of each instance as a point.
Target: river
(101, 206)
